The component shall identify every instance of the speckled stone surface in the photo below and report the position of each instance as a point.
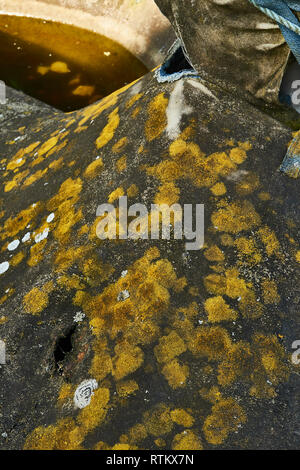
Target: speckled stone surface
(189, 350)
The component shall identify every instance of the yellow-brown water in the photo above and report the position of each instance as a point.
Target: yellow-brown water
(62, 65)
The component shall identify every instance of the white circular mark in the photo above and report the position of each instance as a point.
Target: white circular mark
(50, 217)
(4, 267)
(13, 245)
(84, 392)
(26, 237)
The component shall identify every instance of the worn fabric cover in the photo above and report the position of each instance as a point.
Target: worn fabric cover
(231, 42)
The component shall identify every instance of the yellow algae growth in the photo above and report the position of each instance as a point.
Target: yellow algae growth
(169, 347)
(35, 301)
(93, 169)
(218, 310)
(227, 415)
(109, 130)
(187, 440)
(236, 217)
(157, 120)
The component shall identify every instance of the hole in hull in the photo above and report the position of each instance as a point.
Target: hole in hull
(63, 347)
(65, 66)
(175, 67)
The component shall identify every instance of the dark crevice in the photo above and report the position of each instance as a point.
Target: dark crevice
(176, 66)
(63, 346)
(177, 63)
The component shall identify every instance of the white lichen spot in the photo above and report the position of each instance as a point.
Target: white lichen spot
(84, 392)
(41, 236)
(13, 245)
(78, 317)
(177, 107)
(50, 217)
(123, 295)
(4, 267)
(124, 273)
(26, 237)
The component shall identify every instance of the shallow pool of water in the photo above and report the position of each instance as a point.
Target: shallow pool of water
(62, 65)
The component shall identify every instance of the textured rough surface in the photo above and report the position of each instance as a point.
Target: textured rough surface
(241, 48)
(198, 355)
(167, 349)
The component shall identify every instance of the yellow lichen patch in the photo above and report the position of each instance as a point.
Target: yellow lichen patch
(132, 191)
(219, 189)
(270, 292)
(158, 420)
(176, 374)
(70, 282)
(66, 391)
(157, 120)
(63, 203)
(48, 145)
(250, 306)
(15, 260)
(238, 155)
(236, 217)
(19, 160)
(35, 177)
(66, 258)
(35, 301)
(124, 389)
(91, 416)
(187, 440)
(168, 194)
(109, 130)
(64, 436)
(94, 168)
(230, 284)
(227, 415)
(14, 225)
(133, 100)
(270, 241)
(127, 360)
(218, 310)
(116, 194)
(101, 363)
(298, 256)
(120, 145)
(182, 418)
(260, 364)
(121, 164)
(137, 433)
(248, 250)
(15, 182)
(212, 395)
(227, 240)
(214, 253)
(169, 347)
(211, 342)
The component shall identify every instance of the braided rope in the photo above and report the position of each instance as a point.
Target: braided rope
(278, 18)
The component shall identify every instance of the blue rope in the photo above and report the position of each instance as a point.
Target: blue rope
(281, 12)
